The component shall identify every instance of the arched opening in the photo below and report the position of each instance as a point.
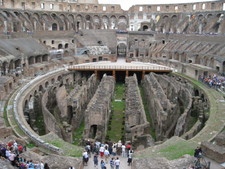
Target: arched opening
(60, 46)
(93, 131)
(46, 84)
(45, 58)
(66, 45)
(145, 28)
(196, 92)
(54, 27)
(121, 49)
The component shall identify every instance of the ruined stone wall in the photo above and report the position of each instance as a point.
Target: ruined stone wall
(64, 108)
(79, 98)
(136, 123)
(169, 101)
(98, 111)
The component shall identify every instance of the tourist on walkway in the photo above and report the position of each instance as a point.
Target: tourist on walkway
(103, 165)
(101, 150)
(123, 150)
(96, 160)
(85, 157)
(106, 154)
(112, 163)
(117, 163)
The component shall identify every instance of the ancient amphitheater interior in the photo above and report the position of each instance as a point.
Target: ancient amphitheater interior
(152, 76)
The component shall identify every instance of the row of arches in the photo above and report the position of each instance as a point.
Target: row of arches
(14, 21)
(17, 66)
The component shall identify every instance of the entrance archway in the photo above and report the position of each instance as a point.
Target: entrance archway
(145, 28)
(121, 49)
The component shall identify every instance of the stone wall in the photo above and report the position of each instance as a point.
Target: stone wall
(98, 111)
(64, 108)
(169, 101)
(136, 124)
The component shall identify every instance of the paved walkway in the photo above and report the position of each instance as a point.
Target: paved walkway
(123, 163)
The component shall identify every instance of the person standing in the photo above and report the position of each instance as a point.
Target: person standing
(103, 165)
(106, 154)
(117, 163)
(95, 160)
(101, 150)
(123, 150)
(112, 163)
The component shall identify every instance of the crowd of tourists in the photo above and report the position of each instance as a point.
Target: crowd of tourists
(217, 82)
(11, 152)
(108, 153)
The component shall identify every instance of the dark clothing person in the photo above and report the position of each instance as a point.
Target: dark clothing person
(198, 152)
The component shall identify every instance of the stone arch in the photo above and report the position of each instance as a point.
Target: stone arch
(40, 88)
(96, 22)
(145, 27)
(36, 22)
(113, 22)
(105, 22)
(47, 21)
(44, 58)
(209, 16)
(71, 21)
(121, 49)
(59, 78)
(46, 84)
(60, 46)
(66, 45)
(196, 92)
(61, 24)
(5, 67)
(65, 21)
(122, 23)
(54, 27)
(31, 60)
(79, 22)
(88, 22)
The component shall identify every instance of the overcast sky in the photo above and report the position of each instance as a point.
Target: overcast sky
(126, 4)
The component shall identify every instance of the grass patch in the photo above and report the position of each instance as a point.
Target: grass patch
(147, 113)
(39, 124)
(116, 123)
(5, 115)
(67, 148)
(30, 145)
(178, 149)
(78, 133)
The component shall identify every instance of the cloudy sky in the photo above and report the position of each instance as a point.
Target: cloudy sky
(126, 4)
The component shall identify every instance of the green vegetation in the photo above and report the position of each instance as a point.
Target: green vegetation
(177, 150)
(78, 133)
(30, 145)
(39, 124)
(144, 101)
(67, 148)
(5, 116)
(117, 119)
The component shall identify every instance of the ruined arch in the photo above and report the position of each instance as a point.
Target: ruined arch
(96, 22)
(105, 22)
(79, 22)
(54, 27)
(122, 23)
(88, 22)
(113, 22)
(145, 27)
(57, 19)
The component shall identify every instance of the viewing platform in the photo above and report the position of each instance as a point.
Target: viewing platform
(121, 69)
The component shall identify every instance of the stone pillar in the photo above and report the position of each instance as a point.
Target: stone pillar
(143, 75)
(114, 74)
(127, 73)
(96, 74)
